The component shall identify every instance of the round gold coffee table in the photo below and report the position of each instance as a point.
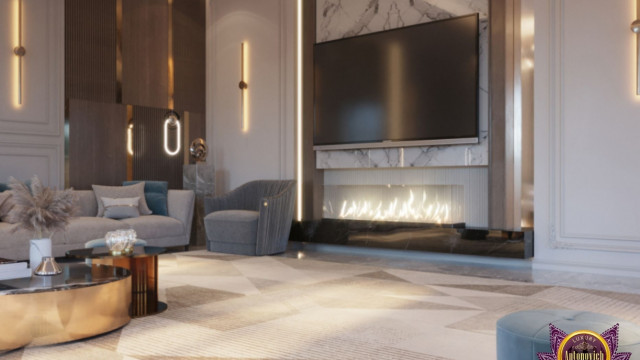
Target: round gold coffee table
(143, 265)
(81, 302)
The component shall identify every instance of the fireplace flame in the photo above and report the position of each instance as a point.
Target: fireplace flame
(410, 209)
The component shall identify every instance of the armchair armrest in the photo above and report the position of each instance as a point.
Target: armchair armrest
(274, 221)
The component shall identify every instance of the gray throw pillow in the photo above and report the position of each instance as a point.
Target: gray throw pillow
(121, 192)
(121, 208)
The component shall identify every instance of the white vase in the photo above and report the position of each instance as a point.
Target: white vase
(38, 248)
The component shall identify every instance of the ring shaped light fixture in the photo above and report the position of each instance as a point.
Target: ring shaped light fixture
(172, 121)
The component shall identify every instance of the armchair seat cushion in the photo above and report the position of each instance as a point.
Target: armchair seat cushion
(239, 225)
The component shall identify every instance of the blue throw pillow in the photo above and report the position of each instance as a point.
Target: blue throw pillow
(3, 187)
(155, 193)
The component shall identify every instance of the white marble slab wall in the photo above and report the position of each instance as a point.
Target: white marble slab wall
(337, 19)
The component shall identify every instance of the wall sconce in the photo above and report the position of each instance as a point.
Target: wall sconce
(172, 121)
(130, 139)
(635, 27)
(244, 101)
(19, 51)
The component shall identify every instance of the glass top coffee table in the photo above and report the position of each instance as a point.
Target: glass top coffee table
(143, 265)
(81, 302)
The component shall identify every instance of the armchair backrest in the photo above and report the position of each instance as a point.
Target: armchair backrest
(254, 191)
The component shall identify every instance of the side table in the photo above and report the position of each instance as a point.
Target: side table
(143, 265)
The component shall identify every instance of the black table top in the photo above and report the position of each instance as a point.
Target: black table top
(74, 275)
(103, 252)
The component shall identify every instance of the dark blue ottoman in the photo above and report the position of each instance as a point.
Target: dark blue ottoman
(521, 335)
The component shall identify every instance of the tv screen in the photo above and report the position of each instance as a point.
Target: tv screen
(414, 83)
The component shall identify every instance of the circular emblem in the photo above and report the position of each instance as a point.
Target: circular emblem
(584, 345)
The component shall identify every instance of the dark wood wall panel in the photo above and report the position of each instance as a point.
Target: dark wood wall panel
(150, 161)
(90, 50)
(97, 144)
(145, 44)
(189, 49)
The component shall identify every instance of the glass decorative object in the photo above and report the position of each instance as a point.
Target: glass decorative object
(120, 242)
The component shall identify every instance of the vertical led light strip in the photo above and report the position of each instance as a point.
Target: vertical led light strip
(244, 94)
(19, 51)
(299, 108)
(170, 54)
(635, 27)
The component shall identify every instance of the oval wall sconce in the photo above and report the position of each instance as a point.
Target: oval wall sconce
(130, 139)
(172, 121)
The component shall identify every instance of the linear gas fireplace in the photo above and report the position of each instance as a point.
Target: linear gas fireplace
(433, 204)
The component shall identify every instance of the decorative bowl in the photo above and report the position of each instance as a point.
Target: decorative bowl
(120, 242)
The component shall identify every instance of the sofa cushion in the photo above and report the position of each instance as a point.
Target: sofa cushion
(87, 204)
(155, 193)
(84, 228)
(239, 225)
(6, 203)
(155, 226)
(121, 192)
(12, 236)
(4, 187)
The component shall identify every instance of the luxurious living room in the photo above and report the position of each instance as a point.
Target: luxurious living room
(319, 179)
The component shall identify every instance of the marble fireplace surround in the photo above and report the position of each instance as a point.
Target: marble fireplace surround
(337, 19)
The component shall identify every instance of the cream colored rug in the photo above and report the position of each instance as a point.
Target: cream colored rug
(237, 307)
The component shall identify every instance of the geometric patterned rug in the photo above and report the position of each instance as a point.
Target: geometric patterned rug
(236, 307)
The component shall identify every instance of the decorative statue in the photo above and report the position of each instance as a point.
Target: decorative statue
(198, 150)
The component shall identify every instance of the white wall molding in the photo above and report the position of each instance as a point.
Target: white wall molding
(560, 235)
(44, 160)
(32, 135)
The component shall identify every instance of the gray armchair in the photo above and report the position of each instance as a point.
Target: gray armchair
(254, 219)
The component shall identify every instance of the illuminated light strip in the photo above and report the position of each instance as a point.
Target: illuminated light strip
(299, 109)
(244, 93)
(166, 137)
(19, 51)
(170, 79)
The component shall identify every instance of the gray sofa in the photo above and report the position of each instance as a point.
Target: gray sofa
(157, 230)
(254, 219)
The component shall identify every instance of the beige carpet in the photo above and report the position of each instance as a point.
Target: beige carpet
(236, 307)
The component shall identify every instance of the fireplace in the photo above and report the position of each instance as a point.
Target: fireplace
(433, 204)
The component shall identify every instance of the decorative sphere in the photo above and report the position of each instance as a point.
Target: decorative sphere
(198, 149)
(635, 26)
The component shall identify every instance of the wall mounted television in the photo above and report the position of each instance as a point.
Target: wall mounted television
(411, 86)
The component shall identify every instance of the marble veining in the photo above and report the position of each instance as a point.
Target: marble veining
(338, 19)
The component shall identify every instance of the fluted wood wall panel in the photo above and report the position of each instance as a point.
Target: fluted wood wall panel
(97, 143)
(150, 161)
(90, 50)
(189, 54)
(145, 53)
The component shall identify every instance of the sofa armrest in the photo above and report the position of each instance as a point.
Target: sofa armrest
(180, 204)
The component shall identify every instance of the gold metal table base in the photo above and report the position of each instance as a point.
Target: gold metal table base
(60, 315)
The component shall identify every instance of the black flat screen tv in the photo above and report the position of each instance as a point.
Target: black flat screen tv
(416, 83)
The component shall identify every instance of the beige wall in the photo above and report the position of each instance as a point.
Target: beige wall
(31, 135)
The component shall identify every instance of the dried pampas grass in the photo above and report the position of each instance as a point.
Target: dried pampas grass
(41, 209)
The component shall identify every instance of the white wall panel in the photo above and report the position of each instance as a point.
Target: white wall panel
(31, 134)
(587, 201)
(265, 151)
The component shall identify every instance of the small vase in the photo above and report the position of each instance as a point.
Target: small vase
(38, 249)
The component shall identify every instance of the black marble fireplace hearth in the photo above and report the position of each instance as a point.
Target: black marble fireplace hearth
(442, 238)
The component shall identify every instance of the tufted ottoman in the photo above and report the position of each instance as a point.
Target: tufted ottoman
(521, 335)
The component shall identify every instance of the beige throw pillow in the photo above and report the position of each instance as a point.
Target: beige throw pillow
(113, 192)
(6, 204)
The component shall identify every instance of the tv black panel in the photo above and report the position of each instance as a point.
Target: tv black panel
(413, 83)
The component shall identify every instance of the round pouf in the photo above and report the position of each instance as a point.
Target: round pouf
(521, 335)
